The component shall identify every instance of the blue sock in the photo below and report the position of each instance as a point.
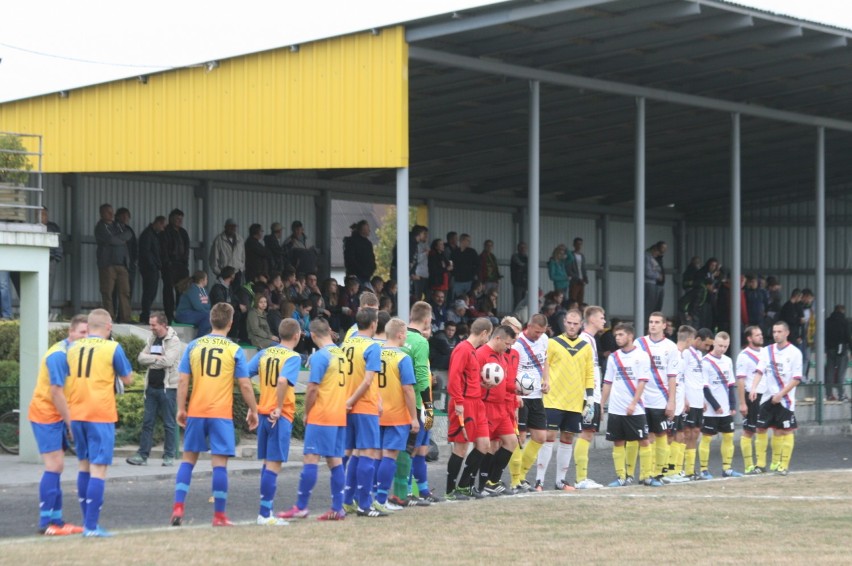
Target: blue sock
(182, 481)
(365, 482)
(374, 486)
(94, 502)
(220, 489)
(337, 481)
(268, 485)
(418, 469)
(47, 492)
(345, 461)
(306, 485)
(57, 507)
(82, 488)
(351, 480)
(386, 471)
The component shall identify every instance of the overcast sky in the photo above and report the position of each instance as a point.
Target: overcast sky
(52, 45)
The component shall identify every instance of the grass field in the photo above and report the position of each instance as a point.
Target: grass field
(804, 518)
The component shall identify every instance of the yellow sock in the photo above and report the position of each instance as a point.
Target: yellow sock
(787, 452)
(727, 450)
(661, 454)
(618, 455)
(761, 441)
(689, 462)
(777, 449)
(529, 456)
(646, 457)
(748, 453)
(581, 458)
(704, 451)
(676, 453)
(631, 451)
(515, 466)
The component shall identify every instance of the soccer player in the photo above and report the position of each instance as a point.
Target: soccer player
(467, 420)
(677, 446)
(531, 346)
(595, 322)
(51, 423)
(572, 386)
(96, 365)
(747, 362)
(501, 428)
(363, 438)
(628, 370)
(781, 365)
(211, 363)
(720, 395)
(693, 377)
(325, 424)
(366, 300)
(513, 403)
(277, 368)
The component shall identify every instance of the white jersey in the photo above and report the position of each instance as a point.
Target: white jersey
(532, 360)
(779, 367)
(625, 370)
(693, 377)
(594, 344)
(746, 364)
(675, 369)
(656, 395)
(719, 376)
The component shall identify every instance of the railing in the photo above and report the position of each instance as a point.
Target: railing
(18, 201)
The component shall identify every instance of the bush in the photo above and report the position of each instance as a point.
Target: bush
(132, 345)
(10, 341)
(131, 412)
(9, 385)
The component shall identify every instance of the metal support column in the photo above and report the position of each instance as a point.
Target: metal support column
(324, 245)
(606, 221)
(639, 220)
(534, 199)
(736, 239)
(819, 307)
(209, 226)
(403, 281)
(74, 182)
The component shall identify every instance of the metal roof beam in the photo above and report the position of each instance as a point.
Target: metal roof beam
(732, 7)
(613, 87)
(505, 16)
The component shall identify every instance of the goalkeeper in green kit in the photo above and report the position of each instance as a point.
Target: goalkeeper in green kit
(414, 460)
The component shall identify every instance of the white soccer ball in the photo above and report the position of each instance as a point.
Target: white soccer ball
(492, 374)
(524, 384)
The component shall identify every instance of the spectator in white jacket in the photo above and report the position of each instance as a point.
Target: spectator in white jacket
(227, 249)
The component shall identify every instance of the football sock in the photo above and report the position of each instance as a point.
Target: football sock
(374, 484)
(777, 448)
(787, 450)
(82, 488)
(661, 454)
(618, 455)
(727, 450)
(646, 456)
(338, 479)
(345, 461)
(94, 502)
(385, 473)
(761, 441)
(418, 468)
(543, 461)
(454, 465)
(747, 450)
(471, 466)
(365, 481)
(704, 451)
(182, 481)
(515, 466)
(528, 457)
(307, 481)
(220, 489)
(676, 454)
(632, 450)
(581, 459)
(57, 506)
(48, 489)
(498, 464)
(350, 490)
(404, 465)
(564, 454)
(268, 485)
(485, 469)
(689, 462)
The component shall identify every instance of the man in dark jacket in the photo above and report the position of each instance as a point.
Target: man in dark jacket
(174, 255)
(837, 344)
(122, 218)
(465, 267)
(257, 255)
(359, 258)
(794, 315)
(113, 259)
(150, 264)
(274, 242)
(518, 269)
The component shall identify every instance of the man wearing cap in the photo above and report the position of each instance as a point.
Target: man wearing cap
(228, 250)
(274, 241)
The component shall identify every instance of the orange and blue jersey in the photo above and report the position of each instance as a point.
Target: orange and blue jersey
(397, 370)
(363, 354)
(53, 369)
(93, 365)
(328, 370)
(213, 362)
(269, 365)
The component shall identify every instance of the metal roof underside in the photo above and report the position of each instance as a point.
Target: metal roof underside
(469, 128)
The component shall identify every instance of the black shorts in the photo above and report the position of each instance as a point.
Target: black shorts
(677, 424)
(657, 421)
(712, 424)
(595, 425)
(564, 421)
(750, 421)
(532, 415)
(626, 427)
(775, 416)
(693, 418)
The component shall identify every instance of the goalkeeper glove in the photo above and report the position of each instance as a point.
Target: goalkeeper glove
(589, 411)
(428, 416)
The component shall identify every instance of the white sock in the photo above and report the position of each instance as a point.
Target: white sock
(543, 461)
(563, 460)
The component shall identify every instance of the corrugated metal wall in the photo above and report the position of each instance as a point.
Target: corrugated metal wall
(340, 102)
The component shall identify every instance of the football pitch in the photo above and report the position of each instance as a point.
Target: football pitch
(804, 518)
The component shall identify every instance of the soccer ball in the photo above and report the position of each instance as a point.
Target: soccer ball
(492, 374)
(524, 384)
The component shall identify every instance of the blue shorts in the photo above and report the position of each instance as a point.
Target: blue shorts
(50, 437)
(395, 437)
(362, 432)
(423, 436)
(327, 441)
(94, 441)
(219, 432)
(273, 442)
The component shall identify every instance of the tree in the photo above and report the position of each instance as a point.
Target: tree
(387, 239)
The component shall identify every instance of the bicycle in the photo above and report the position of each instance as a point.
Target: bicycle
(10, 431)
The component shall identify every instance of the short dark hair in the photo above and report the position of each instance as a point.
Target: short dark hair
(451, 235)
(807, 292)
(103, 207)
(382, 318)
(578, 239)
(255, 229)
(175, 212)
(704, 333)
(625, 327)
(365, 318)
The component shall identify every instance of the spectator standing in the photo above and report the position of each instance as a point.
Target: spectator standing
(274, 242)
(805, 332)
(228, 249)
(662, 247)
(557, 268)
(439, 267)
(756, 300)
(150, 264)
(113, 259)
(194, 305)
(465, 267)
(451, 244)
(421, 269)
(358, 256)
(577, 276)
(5, 296)
(161, 356)
(688, 277)
(122, 217)
(710, 272)
(653, 275)
(793, 314)
(519, 274)
(489, 271)
(56, 253)
(257, 255)
(837, 344)
(302, 257)
(174, 253)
